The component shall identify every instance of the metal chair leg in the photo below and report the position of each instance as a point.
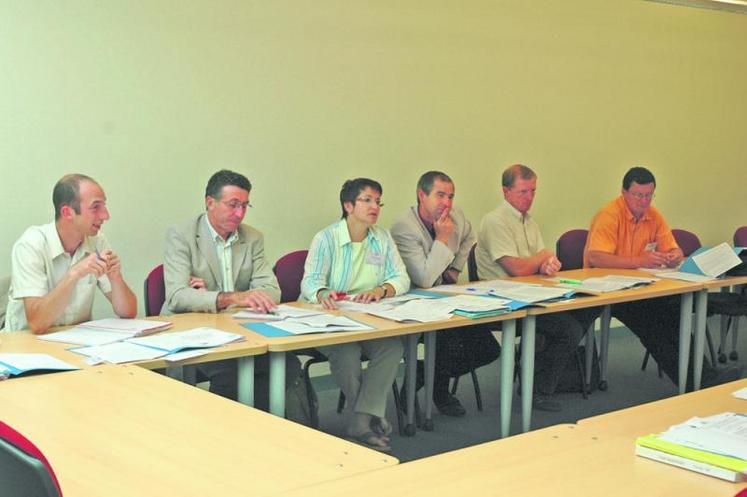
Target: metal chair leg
(476, 384)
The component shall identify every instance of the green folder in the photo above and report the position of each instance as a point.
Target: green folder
(654, 442)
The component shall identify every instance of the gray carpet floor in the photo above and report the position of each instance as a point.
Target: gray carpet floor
(628, 386)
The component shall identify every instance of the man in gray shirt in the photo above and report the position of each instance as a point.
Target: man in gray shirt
(434, 239)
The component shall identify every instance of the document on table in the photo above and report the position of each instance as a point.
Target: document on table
(86, 336)
(136, 326)
(198, 338)
(724, 434)
(423, 311)
(369, 308)
(691, 277)
(16, 363)
(530, 294)
(120, 352)
(741, 393)
(319, 324)
(716, 261)
(482, 287)
(609, 283)
(281, 312)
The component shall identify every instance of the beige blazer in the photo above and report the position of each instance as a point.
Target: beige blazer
(190, 251)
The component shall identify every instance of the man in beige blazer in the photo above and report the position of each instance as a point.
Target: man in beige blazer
(212, 262)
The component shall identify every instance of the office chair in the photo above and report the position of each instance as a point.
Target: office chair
(154, 291)
(472, 274)
(24, 471)
(569, 250)
(4, 289)
(689, 243)
(731, 306)
(289, 272)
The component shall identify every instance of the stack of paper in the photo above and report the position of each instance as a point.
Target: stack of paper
(715, 445)
(605, 284)
(145, 348)
(103, 331)
(281, 312)
(707, 263)
(14, 364)
(322, 323)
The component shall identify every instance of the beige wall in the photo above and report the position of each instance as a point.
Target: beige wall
(150, 97)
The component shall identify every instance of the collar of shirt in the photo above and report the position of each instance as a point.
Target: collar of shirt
(343, 235)
(55, 248)
(431, 230)
(515, 212)
(217, 239)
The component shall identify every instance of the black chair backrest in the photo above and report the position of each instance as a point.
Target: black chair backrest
(472, 264)
(22, 475)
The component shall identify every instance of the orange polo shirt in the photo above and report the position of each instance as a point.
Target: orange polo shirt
(615, 231)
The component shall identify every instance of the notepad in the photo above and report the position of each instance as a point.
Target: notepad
(14, 363)
(105, 331)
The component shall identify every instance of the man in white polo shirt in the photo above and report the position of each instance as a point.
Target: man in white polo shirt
(56, 267)
(510, 244)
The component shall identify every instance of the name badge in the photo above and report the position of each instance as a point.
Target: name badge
(375, 259)
(650, 247)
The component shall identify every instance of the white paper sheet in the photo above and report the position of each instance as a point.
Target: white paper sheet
(86, 336)
(716, 261)
(120, 352)
(197, 338)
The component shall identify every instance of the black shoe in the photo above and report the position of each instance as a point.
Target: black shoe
(722, 375)
(450, 406)
(545, 403)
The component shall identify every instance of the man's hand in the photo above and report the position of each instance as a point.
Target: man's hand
(674, 257)
(444, 227)
(654, 259)
(91, 264)
(113, 265)
(256, 300)
(196, 283)
(550, 266)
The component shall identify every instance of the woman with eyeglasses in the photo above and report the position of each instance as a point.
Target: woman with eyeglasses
(353, 258)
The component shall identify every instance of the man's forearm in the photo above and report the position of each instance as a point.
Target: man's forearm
(123, 300)
(42, 312)
(605, 260)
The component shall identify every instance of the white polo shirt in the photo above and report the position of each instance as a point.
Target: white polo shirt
(38, 264)
(505, 232)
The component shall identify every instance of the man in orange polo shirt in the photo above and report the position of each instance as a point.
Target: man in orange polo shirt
(630, 233)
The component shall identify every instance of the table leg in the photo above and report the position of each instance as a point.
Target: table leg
(527, 371)
(508, 341)
(246, 380)
(175, 372)
(604, 345)
(430, 367)
(686, 317)
(701, 311)
(589, 357)
(277, 383)
(411, 362)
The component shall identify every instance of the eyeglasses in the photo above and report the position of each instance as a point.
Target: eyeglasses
(642, 196)
(235, 205)
(370, 200)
